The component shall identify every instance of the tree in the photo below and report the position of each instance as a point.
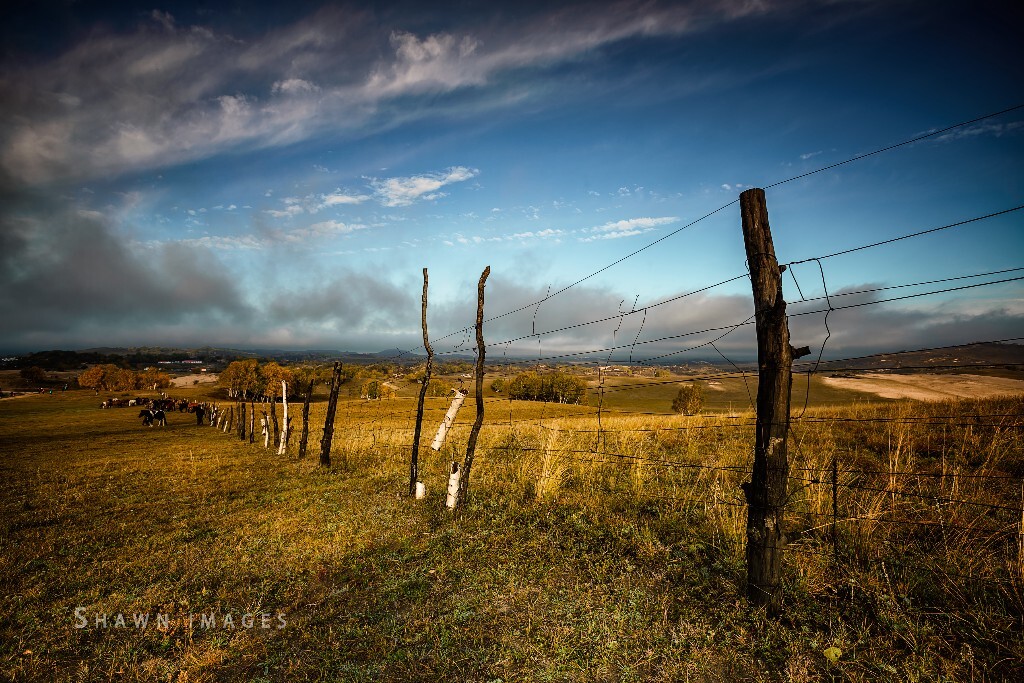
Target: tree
(33, 375)
(689, 400)
(498, 385)
(242, 378)
(557, 387)
(108, 378)
(377, 389)
(154, 379)
(92, 378)
(273, 374)
(123, 380)
(439, 388)
(566, 388)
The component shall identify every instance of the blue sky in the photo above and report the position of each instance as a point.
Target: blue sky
(278, 177)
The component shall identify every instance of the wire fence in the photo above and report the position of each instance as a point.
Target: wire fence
(873, 488)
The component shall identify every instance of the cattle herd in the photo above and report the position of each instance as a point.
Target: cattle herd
(154, 410)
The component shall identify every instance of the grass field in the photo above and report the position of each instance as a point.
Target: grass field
(585, 554)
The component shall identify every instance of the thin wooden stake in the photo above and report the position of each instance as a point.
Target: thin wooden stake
(474, 433)
(414, 463)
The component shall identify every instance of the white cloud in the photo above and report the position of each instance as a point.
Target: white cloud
(538, 234)
(294, 86)
(338, 197)
(289, 211)
(983, 128)
(626, 228)
(403, 191)
(163, 93)
(320, 230)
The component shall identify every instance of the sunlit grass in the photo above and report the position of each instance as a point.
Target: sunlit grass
(591, 549)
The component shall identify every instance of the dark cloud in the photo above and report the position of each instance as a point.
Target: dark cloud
(67, 272)
(351, 303)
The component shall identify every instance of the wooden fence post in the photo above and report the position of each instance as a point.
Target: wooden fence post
(766, 493)
(285, 422)
(332, 407)
(414, 464)
(252, 421)
(467, 465)
(273, 420)
(304, 437)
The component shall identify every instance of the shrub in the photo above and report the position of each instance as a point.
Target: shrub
(689, 400)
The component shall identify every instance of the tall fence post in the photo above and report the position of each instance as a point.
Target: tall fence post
(766, 493)
(414, 464)
(282, 447)
(305, 419)
(332, 408)
(474, 433)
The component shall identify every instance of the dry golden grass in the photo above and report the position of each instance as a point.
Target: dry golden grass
(584, 554)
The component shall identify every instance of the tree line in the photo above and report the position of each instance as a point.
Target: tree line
(109, 377)
(555, 387)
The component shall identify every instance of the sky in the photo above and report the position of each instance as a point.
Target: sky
(278, 175)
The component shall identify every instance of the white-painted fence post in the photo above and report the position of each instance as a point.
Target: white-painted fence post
(449, 418)
(453, 486)
(284, 424)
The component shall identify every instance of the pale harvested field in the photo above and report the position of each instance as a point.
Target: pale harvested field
(929, 387)
(188, 380)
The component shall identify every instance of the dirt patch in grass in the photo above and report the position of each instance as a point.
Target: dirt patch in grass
(929, 387)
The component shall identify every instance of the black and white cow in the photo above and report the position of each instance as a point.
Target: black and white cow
(149, 417)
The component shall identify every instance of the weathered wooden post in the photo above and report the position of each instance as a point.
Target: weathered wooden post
(241, 421)
(474, 433)
(304, 437)
(252, 421)
(767, 490)
(332, 407)
(273, 420)
(284, 420)
(414, 464)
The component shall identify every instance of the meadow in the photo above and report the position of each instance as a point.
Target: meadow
(593, 547)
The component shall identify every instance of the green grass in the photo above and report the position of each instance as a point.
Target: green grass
(570, 562)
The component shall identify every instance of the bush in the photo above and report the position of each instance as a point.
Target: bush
(689, 400)
(557, 387)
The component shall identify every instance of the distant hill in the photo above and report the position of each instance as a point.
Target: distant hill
(1007, 356)
(945, 359)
